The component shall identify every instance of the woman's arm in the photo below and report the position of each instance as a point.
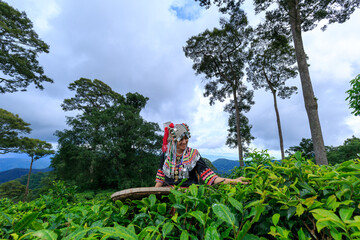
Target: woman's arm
(229, 180)
(160, 176)
(159, 184)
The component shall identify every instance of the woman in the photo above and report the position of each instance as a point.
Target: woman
(180, 164)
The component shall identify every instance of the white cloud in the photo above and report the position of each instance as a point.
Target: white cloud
(137, 46)
(41, 12)
(353, 122)
(334, 54)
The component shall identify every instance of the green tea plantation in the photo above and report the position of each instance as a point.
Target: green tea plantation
(294, 199)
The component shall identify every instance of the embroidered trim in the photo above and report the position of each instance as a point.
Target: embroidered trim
(189, 160)
(208, 176)
(160, 176)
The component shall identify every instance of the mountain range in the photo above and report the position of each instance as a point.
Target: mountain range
(17, 160)
(222, 165)
(15, 173)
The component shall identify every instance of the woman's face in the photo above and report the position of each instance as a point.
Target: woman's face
(182, 144)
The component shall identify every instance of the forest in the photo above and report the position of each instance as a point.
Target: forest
(313, 192)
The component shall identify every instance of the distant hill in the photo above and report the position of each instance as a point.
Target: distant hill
(15, 173)
(225, 165)
(18, 160)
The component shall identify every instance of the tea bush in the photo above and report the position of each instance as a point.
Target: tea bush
(294, 199)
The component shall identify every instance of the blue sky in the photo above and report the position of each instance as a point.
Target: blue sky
(186, 10)
(136, 46)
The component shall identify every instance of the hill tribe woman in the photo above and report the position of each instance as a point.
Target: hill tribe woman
(180, 164)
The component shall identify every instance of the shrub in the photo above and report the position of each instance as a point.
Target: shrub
(293, 199)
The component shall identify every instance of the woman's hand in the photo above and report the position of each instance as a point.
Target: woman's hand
(241, 180)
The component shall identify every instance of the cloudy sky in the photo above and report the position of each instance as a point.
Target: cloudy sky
(136, 46)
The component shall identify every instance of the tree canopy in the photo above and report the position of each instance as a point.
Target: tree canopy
(12, 127)
(271, 64)
(19, 49)
(349, 150)
(306, 146)
(108, 144)
(35, 149)
(220, 55)
(245, 100)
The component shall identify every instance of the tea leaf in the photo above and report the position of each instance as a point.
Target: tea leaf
(301, 235)
(7, 217)
(246, 227)
(193, 190)
(224, 213)
(236, 204)
(299, 209)
(152, 199)
(199, 216)
(275, 218)
(25, 221)
(45, 235)
(78, 234)
(184, 235)
(211, 233)
(346, 213)
(118, 231)
(355, 234)
(335, 234)
(161, 208)
(166, 229)
(124, 209)
(322, 213)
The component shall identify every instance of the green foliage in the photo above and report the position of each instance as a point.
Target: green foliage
(11, 126)
(19, 48)
(13, 190)
(294, 199)
(37, 180)
(349, 150)
(109, 144)
(36, 148)
(354, 95)
(306, 146)
(61, 190)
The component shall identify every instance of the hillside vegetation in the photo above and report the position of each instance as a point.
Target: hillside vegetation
(295, 199)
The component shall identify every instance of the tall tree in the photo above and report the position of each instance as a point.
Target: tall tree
(271, 63)
(108, 144)
(11, 129)
(300, 15)
(19, 47)
(35, 149)
(244, 104)
(220, 55)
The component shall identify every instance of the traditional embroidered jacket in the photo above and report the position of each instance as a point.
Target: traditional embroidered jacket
(191, 163)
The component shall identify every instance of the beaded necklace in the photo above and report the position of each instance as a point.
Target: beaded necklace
(176, 176)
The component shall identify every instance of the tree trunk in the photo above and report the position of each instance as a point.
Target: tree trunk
(279, 125)
(308, 93)
(28, 180)
(238, 129)
(273, 91)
